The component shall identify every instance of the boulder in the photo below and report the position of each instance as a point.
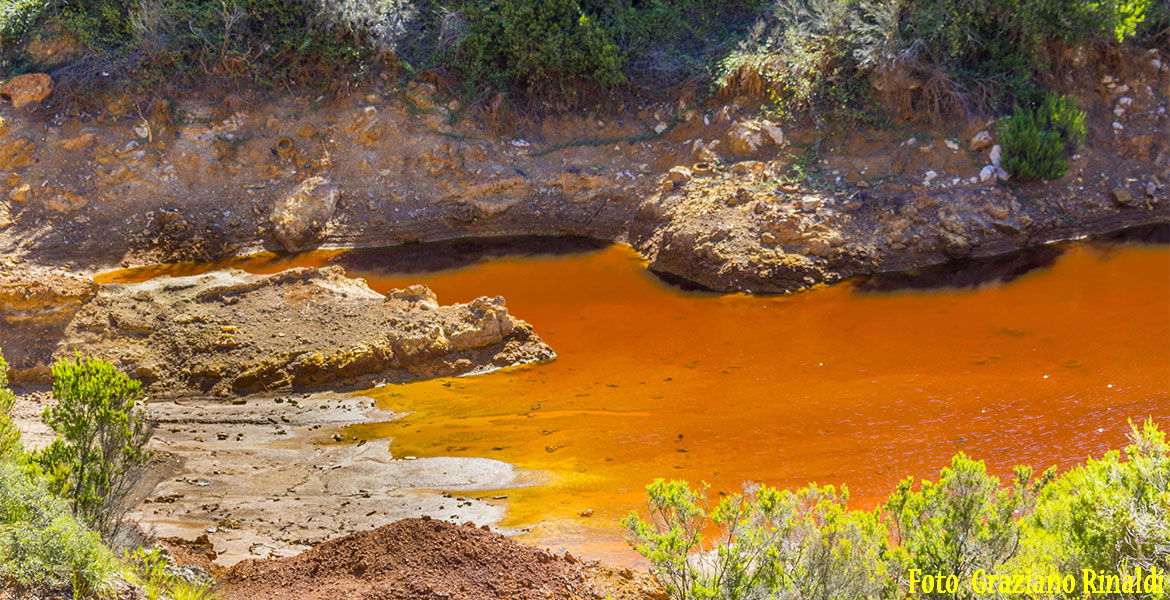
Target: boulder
(748, 137)
(298, 218)
(27, 89)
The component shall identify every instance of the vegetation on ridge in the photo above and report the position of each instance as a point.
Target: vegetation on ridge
(814, 57)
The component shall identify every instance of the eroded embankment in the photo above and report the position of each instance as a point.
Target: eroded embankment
(721, 196)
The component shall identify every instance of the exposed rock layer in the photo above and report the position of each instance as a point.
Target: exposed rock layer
(231, 332)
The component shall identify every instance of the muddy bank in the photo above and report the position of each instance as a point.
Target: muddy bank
(272, 476)
(722, 196)
(232, 333)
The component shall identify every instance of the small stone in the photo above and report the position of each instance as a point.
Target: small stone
(930, 176)
(1122, 197)
(987, 173)
(995, 154)
(1151, 189)
(1117, 126)
(981, 141)
(660, 127)
(679, 174)
(952, 144)
(863, 184)
(27, 89)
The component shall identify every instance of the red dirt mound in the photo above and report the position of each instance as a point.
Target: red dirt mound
(413, 558)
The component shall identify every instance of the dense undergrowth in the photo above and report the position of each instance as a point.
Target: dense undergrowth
(815, 58)
(57, 504)
(966, 535)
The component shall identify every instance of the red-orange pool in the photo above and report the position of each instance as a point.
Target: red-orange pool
(830, 385)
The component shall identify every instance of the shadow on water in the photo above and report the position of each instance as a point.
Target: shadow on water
(443, 256)
(1003, 268)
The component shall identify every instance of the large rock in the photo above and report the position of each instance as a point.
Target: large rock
(230, 332)
(748, 137)
(27, 89)
(297, 220)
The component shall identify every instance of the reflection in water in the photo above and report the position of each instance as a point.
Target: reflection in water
(830, 385)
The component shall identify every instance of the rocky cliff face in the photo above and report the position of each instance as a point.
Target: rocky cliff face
(721, 195)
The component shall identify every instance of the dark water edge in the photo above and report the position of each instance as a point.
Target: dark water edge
(960, 274)
(1002, 268)
(442, 256)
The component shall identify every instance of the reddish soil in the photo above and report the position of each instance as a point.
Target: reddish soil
(417, 558)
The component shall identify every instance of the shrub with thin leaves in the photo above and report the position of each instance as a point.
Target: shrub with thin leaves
(963, 522)
(1109, 514)
(1035, 141)
(41, 543)
(9, 434)
(768, 543)
(100, 442)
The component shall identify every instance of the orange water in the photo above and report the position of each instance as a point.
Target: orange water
(831, 385)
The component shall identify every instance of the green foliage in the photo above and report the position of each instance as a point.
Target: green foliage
(996, 43)
(151, 570)
(1107, 514)
(1035, 141)
(539, 47)
(100, 439)
(41, 543)
(17, 16)
(803, 58)
(9, 434)
(770, 543)
(962, 523)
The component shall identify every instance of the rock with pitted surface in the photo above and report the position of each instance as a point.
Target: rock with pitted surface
(27, 89)
(230, 332)
(298, 219)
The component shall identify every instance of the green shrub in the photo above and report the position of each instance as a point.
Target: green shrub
(1106, 515)
(9, 434)
(540, 47)
(770, 543)
(100, 439)
(962, 523)
(41, 543)
(1035, 141)
(151, 570)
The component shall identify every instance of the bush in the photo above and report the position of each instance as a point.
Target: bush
(962, 523)
(153, 572)
(9, 434)
(41, 543)
(770, 544)
(100, 439)
(1106, 515)
(540, 47)
(1035, 141)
